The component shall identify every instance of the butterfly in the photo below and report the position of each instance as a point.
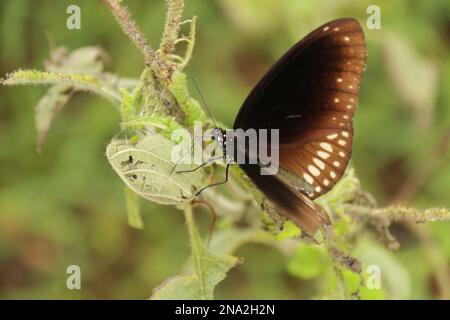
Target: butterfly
(310, 95)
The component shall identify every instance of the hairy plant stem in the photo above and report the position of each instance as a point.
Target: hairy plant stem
(398, 213)
(81, 82)
(161, 68)
(131, 29)
(172, 26)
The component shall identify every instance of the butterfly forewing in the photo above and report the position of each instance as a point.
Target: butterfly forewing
(310, 95)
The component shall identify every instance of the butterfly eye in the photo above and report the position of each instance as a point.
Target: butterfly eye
(216, 135)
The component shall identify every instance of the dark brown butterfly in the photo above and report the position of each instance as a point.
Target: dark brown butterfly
(310, 95)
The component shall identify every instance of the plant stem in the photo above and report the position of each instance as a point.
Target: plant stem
(82, 82)
(172, 26)
(131, 29)
(398, 213)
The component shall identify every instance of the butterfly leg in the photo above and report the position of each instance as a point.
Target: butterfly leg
(202, 165)
(217, 183)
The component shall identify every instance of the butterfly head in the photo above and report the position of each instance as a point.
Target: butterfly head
(218, 135)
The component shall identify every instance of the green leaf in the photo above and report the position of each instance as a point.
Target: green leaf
(352, 281)
(191, 108)
(165, 125)
(290, 230)
(209, 269)
(228, 240)
(396, 282)
(353, 285)
(147, 169)
(371, 294)
(178, 288)
(86, 60)
(68, 72)
(133, 209)
(48, 108)
(309, 262)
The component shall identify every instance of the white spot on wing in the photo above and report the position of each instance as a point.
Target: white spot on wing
(314, 171)
(326, 146)
(332, 136)
(319, 163)
(308, 178)
(324, 155)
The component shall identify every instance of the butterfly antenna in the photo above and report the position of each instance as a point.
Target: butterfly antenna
(204, 102)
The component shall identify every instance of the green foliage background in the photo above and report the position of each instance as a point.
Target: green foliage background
(66, 206)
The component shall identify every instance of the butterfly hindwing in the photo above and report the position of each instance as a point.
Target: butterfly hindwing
(310, 95)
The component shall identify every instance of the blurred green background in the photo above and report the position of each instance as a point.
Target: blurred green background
(66, 206)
